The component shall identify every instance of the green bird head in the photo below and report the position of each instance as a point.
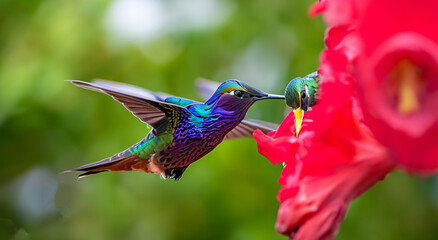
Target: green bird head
(301, 94)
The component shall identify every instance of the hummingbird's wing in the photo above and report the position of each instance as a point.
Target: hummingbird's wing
(247, 127)
(145, 105)
(159, 96)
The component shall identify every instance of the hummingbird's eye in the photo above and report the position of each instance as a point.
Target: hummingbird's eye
(303, 95)
(237, 93)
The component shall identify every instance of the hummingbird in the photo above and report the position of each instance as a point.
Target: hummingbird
(183, 130)
(301, 94)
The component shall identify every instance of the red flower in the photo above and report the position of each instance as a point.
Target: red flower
(376, 112)
(331, 163)
(397, 74)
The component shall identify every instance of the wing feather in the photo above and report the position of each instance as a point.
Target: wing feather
(145, 105)
(247, 127)
(132, 89)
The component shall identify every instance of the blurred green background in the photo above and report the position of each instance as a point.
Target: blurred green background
(47, 125)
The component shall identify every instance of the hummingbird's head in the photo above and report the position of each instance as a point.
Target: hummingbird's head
(237, 96)
(301, 95)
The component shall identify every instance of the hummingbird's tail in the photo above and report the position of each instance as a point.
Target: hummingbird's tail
(119, 162)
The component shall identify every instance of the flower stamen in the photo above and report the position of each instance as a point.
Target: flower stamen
(408, 77)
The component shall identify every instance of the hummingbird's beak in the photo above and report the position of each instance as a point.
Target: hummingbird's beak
(258, 94)
(299, 115)
(275, 96)
(271, 96)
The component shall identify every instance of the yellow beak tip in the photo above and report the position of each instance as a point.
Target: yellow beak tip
(298, 132)
(299, 115)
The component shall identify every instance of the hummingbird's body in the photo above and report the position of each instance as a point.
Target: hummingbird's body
(192, 138)
(183, 130)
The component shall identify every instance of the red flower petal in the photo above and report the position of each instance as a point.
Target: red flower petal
(278, 149)
(318, 205)
(317, 8)
(397, 74)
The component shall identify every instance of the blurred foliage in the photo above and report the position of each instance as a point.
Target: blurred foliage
(47, 126)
